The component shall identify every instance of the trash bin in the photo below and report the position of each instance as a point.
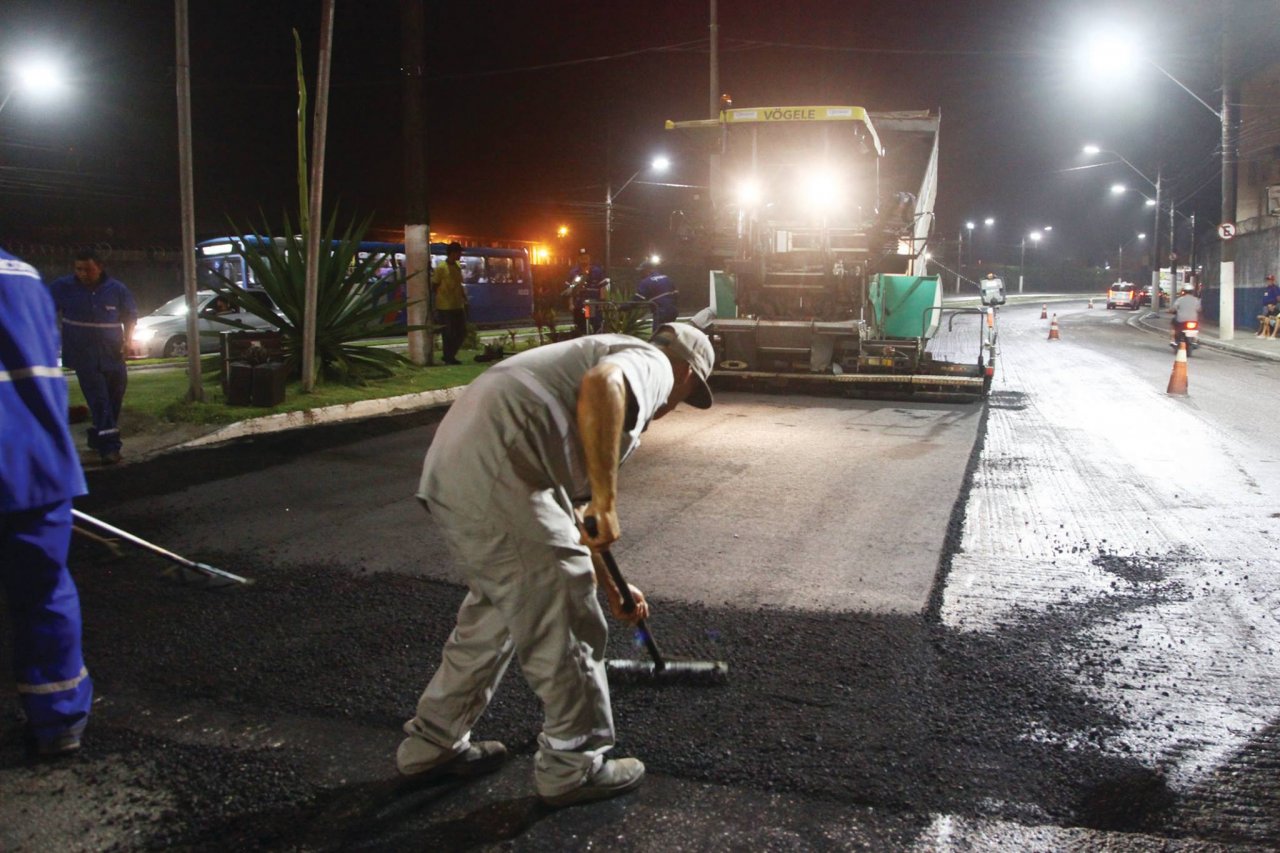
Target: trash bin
(268, 383)
(239, 388)
(253, 368)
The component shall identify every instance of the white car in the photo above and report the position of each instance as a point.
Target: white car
(163, 332)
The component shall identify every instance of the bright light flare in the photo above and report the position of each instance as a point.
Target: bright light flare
(749, 193)
(41, 77)
(820, 191)
(1091, 150)
(562, 231)
(661, 163)
(990, 220)
(1108, 56)
(655, 259)
(1035, 236)
(1151, 202)
(969, 225)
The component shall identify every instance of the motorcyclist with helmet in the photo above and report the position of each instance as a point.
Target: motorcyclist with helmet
(585, 283)
(1186, 308)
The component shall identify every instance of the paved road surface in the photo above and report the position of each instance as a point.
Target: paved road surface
(1095, 668)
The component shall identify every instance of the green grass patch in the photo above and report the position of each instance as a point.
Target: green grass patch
(159, 396)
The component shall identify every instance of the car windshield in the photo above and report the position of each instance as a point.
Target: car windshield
(177, 306)
(1122, 287)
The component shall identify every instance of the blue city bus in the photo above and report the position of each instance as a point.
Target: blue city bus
(499, 282)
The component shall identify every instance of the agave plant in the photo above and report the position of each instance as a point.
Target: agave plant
(350, 298)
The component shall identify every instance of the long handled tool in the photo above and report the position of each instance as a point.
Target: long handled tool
(659, 669)
(194, 571)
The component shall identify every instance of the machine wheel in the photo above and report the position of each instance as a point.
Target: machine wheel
(175, 347)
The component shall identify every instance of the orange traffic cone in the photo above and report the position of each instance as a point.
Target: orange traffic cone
(1044, 312)
(1090, 301)
(1053, 329)
(1178, 379)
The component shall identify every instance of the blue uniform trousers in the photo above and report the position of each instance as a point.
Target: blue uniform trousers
(103, 388)
(48, 666)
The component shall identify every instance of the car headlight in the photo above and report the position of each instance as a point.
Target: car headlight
(141, 336)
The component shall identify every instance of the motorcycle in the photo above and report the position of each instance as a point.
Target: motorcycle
(1188, 331)
(585, 311)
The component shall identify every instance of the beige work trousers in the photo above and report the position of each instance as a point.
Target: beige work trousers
(539, 602)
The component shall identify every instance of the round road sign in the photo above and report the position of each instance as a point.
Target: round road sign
(1227, 230)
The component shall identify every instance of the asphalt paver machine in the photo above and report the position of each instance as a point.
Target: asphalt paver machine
(818, 244)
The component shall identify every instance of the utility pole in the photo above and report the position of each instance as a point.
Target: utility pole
(714, 108)
(195, 385)
(417, 228)
(1155, 246)
(1227, 270)
(959, 256)
(315, 223)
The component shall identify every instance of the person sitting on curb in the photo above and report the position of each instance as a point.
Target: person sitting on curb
(1269, 319)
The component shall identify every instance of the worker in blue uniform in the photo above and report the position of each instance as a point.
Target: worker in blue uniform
(39, 475)
(658, 290)
(98, 316)
(586, 283)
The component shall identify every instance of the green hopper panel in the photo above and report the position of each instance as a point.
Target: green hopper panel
(902, 305)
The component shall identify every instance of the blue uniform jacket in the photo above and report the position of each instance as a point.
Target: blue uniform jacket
(38, 461)
(659, 289)
(92, 321)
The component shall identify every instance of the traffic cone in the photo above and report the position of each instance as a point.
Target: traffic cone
(1044, 312)
(1178, 379)
(1090, 301)
(1053, 329)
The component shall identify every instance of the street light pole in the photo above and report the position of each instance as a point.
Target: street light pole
(659, 164)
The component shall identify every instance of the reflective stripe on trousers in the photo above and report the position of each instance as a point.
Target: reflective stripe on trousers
(53, 685)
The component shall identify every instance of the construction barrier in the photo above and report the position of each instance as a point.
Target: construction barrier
(1044, 312)
(1053, 329)
(1178, 378)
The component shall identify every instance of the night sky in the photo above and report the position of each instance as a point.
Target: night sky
(536, 105)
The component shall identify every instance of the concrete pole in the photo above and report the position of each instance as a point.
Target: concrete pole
(195, 385)
(608, 229)
(1022, 261)
(1155, 247)
(1227, 272)
(417, 228)
(315, 223)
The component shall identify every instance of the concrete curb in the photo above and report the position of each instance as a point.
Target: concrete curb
(327, 415)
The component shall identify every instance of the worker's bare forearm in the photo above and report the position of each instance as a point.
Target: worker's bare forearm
(602, 409)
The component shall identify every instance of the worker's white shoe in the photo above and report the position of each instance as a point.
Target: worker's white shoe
(477, 759)
(614, 777)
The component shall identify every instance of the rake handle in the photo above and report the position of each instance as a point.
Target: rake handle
(628, 602)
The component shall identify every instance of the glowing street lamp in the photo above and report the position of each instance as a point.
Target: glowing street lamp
(658, 165)
(1035, 237)
(40, 78)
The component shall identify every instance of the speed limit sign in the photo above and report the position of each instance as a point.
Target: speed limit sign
(1227, 230)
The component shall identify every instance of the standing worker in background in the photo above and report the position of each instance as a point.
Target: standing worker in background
(39, 475)
(658, 289)
(585, 283)
(533, 437)
(98, 316)
(450, 302)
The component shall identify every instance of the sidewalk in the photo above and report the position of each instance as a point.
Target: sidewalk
(146, 441)
(1244, 343)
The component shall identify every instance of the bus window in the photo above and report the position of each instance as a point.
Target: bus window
(472, 269)
(503, 271)
(217, 271)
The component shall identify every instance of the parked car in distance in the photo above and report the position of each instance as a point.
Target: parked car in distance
(1122, 294)
(163, 332)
